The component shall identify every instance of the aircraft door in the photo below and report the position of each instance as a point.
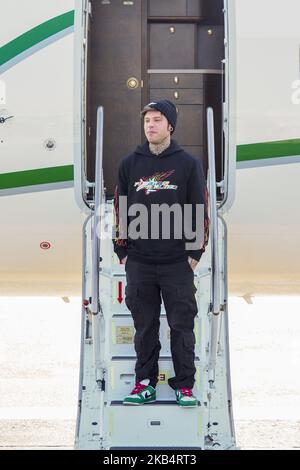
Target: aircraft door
(114, 82)
(142, 51)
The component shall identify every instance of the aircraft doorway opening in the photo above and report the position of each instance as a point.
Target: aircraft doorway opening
(148, 50)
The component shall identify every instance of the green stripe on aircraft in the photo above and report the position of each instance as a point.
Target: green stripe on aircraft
(18, 179)
(259, 151)
(35, 36)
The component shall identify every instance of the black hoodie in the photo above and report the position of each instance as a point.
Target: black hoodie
(172, 177)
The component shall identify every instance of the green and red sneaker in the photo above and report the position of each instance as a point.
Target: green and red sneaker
(185, 398)
(141, 394)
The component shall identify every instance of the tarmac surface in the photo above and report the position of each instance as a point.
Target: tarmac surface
(39, 356)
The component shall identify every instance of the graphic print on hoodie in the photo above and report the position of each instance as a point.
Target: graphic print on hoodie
(173, 177)
(155, 183)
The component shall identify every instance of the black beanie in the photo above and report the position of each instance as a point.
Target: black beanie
(166, 107)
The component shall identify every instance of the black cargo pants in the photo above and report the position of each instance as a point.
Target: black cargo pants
(145, 285)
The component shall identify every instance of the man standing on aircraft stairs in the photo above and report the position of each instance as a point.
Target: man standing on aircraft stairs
(160, 173)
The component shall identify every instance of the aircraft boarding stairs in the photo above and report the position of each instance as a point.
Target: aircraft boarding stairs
(108, 356)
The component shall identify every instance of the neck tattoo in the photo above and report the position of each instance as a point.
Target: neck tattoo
(157, 149)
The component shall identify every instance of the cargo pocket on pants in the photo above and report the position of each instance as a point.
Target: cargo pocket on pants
(130, 296)
(186, 294)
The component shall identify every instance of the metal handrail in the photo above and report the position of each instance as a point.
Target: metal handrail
(213, 210)
(97, 320)
(83, 321)
(97, 215)
(95, 308)
(97, 328)
(214, 338)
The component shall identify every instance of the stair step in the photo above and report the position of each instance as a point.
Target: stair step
(157, 402)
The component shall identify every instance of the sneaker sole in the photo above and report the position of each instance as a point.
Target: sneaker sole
(187, 406)
(130, 403)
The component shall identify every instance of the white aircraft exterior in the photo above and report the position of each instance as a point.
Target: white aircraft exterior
(40, 140)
